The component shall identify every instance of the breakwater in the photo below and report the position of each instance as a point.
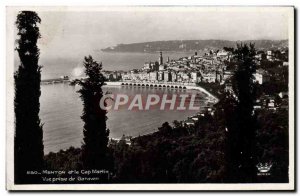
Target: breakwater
(189, 86)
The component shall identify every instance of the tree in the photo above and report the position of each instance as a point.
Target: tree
(165, 129)
(28, 148)
(242, 126)
(176, 124)
(94, 148)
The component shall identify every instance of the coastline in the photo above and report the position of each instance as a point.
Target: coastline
(55, 93)
(189, 87)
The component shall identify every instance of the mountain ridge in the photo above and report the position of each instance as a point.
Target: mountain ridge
(192, 45)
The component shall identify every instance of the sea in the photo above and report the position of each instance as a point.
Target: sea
(61, 105)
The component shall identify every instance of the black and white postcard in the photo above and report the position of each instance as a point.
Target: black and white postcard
(150, 98)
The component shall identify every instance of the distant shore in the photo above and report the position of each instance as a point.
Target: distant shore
(190, 45)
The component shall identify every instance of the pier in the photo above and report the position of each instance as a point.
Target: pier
(55, 81)
(171, 85)
(189, 86)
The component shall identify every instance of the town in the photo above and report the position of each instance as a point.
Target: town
(213, 71)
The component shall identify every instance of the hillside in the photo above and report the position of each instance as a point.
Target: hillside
(191, 45)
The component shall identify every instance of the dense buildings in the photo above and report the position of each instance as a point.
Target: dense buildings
(192, 69)
(214, 66)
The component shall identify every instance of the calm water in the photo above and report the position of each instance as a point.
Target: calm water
(61, 106)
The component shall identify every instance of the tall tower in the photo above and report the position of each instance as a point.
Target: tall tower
(160, 60)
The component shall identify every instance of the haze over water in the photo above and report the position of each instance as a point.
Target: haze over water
(56, 67)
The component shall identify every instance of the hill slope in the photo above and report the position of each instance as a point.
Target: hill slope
(191, 45)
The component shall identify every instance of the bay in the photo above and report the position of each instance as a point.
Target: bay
(61, 106)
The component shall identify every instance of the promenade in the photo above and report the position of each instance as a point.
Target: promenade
(189, 86)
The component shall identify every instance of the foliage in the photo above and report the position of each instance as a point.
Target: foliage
(184, 155)
(64, 160)
(273, 143)
(28, 149)
(171, 155)
(240, 150)
(266, 64)
(272, 88)
(94, 148)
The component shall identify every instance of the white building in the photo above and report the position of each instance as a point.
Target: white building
(184, 77)
(222, 53)
(167, 76)
(161, 68)
(160, 76)
(153, 76)
(283, 95)
(261, 76)
(173, 77)
(269, 52)
(285, 63)
(270, 56)
(195, 76)
(147, 66)
(227, 75)
(144, 76)
(126, 76)
(209, 77)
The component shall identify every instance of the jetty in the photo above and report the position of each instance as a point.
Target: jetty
(171, 85)
(62, 79)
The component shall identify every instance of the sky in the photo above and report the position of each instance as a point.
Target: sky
(73, 33)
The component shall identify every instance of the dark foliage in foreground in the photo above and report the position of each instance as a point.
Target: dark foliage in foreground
(29, 148)
(273, 143)
(188, 154)
(241, 125)
(172, 155)
(94, 148)
(64, 160)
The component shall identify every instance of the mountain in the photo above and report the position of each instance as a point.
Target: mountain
(192, 45)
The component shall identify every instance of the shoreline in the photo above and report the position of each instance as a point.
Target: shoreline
(154, 130)
(188, 87)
